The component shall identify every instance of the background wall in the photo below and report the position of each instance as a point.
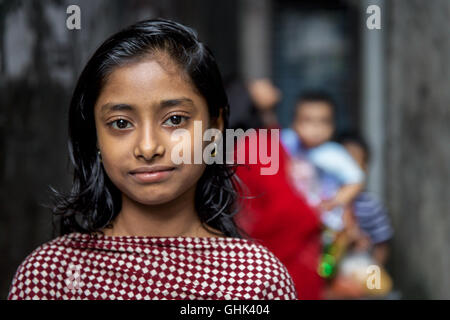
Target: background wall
(418, 145)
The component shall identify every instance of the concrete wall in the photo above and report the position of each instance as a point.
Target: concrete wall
(418, 145)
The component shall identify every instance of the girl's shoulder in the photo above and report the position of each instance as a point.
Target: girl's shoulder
(248, 262)
(38, 268)
(262, 263)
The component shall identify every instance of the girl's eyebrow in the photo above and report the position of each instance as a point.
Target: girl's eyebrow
(108, 107)
(175, 102)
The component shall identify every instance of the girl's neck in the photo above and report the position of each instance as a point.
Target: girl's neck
(177, 218)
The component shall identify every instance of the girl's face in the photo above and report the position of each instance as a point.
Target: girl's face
(139, 107)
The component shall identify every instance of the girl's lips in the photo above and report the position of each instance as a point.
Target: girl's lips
(149, 177)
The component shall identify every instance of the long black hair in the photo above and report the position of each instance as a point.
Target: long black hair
(94, 201)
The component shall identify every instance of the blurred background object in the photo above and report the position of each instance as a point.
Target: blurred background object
(390, 84)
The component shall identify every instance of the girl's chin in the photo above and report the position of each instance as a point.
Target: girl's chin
(153, 199)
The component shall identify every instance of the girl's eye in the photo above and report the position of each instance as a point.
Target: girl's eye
(120, 124)
(175, 120)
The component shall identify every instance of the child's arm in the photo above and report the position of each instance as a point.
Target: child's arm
(381, 253)
(348, 193)
(344, 197)
(333, 159)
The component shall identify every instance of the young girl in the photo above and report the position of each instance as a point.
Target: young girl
(135, 224)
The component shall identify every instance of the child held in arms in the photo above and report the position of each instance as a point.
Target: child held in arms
(323, 171)
(369, 212)
(355, 277)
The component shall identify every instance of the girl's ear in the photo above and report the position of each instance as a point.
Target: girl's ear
(218, 122)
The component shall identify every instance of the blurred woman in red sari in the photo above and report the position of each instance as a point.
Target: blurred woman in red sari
(274, 213)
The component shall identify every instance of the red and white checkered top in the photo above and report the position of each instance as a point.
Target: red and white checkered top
(93, 266)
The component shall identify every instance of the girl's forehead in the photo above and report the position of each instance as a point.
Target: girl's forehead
(145, 82)
(148, 75)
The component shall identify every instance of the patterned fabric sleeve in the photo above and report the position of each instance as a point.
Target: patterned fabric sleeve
(14, 291)
(27, 282)
(280, 285)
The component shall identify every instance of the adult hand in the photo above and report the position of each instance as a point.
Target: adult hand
(264, 94)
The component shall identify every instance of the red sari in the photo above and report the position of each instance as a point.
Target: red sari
(93, 266)
(280, 219)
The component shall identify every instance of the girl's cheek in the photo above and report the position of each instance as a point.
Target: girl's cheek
(194, 172)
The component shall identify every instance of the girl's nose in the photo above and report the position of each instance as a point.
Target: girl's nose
(149, 144)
